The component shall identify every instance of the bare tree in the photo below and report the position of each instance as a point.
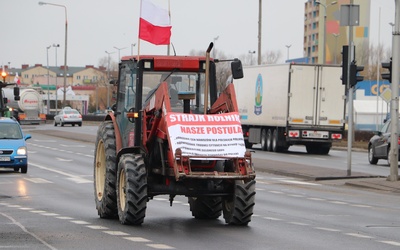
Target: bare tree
(376, 55)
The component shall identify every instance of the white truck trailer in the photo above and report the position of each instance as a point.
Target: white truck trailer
(29, 109)
(292, 104)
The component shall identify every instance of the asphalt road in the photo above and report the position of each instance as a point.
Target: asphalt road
(52, 207)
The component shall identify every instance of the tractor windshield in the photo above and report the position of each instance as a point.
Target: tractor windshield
(178, 82)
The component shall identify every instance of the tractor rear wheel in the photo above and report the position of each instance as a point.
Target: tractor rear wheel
(131, 189)
(105, 171)
(238, 208)
(205, 207)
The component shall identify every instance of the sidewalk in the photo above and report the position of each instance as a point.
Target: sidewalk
(314, 173)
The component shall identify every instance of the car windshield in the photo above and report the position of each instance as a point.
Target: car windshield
(10, 131)
(68, 112)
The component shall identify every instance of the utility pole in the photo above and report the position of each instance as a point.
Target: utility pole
(259, 31)
(394, 104)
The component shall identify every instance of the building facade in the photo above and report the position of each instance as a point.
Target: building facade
(317, 28)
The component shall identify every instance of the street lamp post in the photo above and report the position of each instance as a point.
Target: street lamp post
(65, 49)
(132, 45)
(119, 50)
(215, 39)
(251, 52)
(324, 43)
(56, 46)
(288, 47)
(48, 81)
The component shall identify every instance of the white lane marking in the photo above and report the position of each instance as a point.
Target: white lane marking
(44, 140)
(360, 235)
(38, 180)
(57, 171)
(50, 214)
(65, 218)
(272, 218)
(97, 227)
(73, 146)
(276, 192)
(80, 222)
(38, 211)
(137, 239)
(316, 199)
(26, 231)
(79, 180)
(359, 205)
(14, 206)
(393, 243)
(160, 246)
(339, 202)
(61, 159)
(25, 208)
(298, 223)
(301, 182)
(327, 229)
(115, 233)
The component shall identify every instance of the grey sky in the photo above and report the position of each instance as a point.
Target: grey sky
(95, 26)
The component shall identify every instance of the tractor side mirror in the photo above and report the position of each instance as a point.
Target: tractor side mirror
(237, 69)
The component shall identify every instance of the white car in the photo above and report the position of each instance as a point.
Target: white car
(68, 116)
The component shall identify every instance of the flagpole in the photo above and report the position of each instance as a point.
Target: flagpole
(169, 13)
(138, 49)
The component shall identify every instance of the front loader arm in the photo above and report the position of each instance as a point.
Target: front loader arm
(226, 102)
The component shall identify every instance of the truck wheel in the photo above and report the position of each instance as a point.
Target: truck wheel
(311, 149)
(105, 171)
(55, 123)
(205, 207)
(275, 140)
(264, 140)
(238, 207)
(324, 150)
(371, 155)
(269, 140)
(131, 189)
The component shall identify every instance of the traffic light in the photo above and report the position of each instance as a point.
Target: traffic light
(345, 63)
(387, 76)
(354, 75)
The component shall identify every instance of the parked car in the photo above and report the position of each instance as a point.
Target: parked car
(68, 116)
(13, 150)
(379, 144)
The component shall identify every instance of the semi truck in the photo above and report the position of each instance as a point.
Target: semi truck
(292, 104)
(29, 108)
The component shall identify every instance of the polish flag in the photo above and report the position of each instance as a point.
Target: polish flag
(16, 79)
(154, 24)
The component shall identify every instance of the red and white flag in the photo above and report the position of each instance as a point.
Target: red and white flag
(154, 24)
(16, 79)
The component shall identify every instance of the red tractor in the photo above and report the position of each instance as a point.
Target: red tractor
(172, 133)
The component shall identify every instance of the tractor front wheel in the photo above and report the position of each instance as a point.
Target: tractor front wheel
(205, 207)
(238, 208)
(105, 171)
(131, 189)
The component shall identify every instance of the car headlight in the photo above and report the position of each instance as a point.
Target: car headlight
(21, 151)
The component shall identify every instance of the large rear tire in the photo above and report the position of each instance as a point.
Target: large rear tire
(205, 207)
(238, 208)
(131, 189)
(269, 140)
(264, 140)
(105, 171)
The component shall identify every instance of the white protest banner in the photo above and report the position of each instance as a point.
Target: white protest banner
(206, 135)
